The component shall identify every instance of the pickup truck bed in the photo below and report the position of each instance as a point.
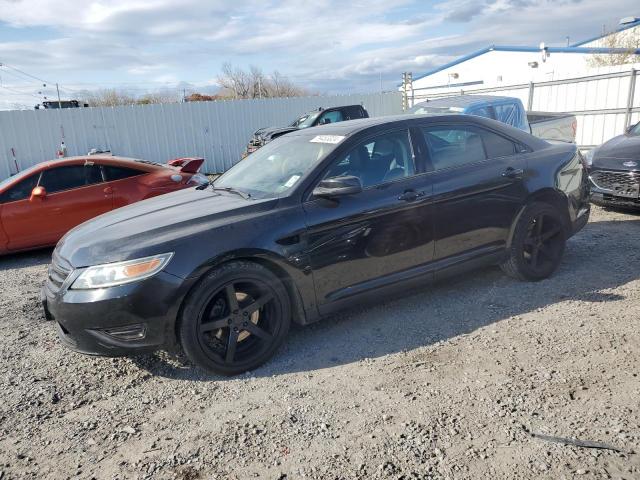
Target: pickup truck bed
(553, 126)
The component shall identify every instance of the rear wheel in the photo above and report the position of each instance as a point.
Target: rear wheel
(235, 319)
(538, 243)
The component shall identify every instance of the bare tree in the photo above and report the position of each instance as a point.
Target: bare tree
(115, 98)
(238, 83)
(628, 40)
(168, 96)
(235, 82)
(283, 87)
(108, 98)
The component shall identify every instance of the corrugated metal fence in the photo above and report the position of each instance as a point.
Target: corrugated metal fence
(217, 131)
(604, 104)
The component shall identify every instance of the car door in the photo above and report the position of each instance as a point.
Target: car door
(74, 194)
(478, 189)
(124, 184)
(360, 242)
(19, 231)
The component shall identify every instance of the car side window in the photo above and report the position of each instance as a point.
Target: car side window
(331, 117)
(497, 145)
(21, 191)
(453, 146)
(351, 113)
(119, 173)
(66, 178)
(376, 161)
(485, 112)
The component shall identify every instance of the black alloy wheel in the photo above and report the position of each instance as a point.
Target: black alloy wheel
(538, 243)
(544, 243)
(235, 319)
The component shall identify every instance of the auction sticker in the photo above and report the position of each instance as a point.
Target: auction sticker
(292, 181)
(327, 139)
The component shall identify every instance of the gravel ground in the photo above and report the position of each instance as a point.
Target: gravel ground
(449, 382)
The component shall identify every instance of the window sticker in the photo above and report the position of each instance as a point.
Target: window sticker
(327, 139)
(292, 181)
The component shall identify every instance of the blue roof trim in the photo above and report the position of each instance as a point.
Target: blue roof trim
(620, 29)
(508, 48)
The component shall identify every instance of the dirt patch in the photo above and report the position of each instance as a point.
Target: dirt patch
(448, 382)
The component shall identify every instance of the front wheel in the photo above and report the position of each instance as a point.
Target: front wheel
(235, 319)
(538, 243)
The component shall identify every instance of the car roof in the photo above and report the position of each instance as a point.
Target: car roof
(351, 127)
(125, 162)
(104, 160)
(465, 101)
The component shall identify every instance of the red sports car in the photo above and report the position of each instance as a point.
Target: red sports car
(39, 205)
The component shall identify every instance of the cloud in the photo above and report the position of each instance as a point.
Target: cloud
(326, 45)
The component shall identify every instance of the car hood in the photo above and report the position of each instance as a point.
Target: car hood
(266, 133)
(154, 226)
(617, 151)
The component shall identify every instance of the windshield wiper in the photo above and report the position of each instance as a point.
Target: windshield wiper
(244, 195)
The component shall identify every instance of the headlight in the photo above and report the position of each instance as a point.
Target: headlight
(112, 274)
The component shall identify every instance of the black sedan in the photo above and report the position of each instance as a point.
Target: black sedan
(315, 221)
(614, 169)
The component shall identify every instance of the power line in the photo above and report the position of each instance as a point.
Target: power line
(21, 93)
(45, 82)
(7, 72)
(24, 73)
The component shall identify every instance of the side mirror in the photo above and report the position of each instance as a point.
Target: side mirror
(38, 192)
(338, 187)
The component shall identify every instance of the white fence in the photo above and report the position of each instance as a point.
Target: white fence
(604, 104)
(217, 131)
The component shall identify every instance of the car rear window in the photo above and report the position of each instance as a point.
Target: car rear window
(453, 146)
(497, 146)
(118, 173)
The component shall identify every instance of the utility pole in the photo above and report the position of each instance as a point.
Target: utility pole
(59, 102)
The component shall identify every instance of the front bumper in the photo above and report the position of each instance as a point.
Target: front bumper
(124, 320)
(615, 188)
(605, 199)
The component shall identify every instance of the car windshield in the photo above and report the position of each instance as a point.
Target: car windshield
(278, 166)
(18, 176)
(635, 130)
(306, 120)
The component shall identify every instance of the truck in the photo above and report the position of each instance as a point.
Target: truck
(320, 116)
(509, 110)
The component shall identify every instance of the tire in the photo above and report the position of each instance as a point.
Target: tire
(226, 337)
(538, 243)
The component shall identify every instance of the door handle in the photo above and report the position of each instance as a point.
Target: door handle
(513, 173)
(410, 195)
(108, 190)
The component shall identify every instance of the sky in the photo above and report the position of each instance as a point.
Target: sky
(324, 46)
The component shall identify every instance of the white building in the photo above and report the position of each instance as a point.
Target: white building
(605, 100)
(502, 65)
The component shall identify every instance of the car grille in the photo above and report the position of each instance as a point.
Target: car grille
(614, 180)
(59, 271)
